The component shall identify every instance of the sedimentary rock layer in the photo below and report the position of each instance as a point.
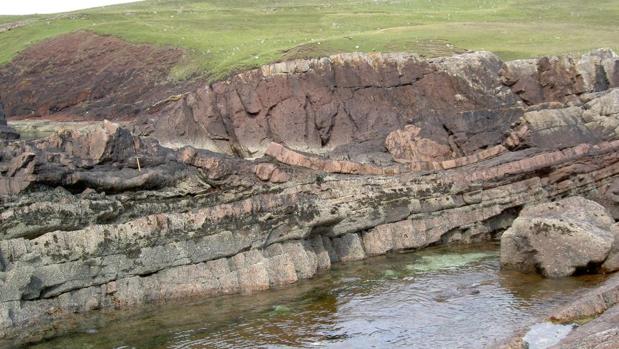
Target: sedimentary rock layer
(102, 218)
(351, 102)
(275, 236)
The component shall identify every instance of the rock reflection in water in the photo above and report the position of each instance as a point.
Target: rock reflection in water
(439, 298)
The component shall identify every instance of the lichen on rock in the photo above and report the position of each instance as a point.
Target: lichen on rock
(559, 238)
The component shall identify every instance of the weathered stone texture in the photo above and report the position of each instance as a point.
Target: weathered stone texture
(561, 79)
(317, 105)
(83, 226)
(559, 238)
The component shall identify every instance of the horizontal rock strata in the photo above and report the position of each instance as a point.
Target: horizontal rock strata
(272, 238)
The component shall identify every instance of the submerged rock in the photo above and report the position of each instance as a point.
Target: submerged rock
(600, 333)
(545, 335)
(598, 312)
(559, 238)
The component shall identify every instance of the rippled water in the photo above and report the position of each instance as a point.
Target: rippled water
(437, 298)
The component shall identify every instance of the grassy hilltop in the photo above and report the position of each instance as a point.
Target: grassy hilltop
(223, 36)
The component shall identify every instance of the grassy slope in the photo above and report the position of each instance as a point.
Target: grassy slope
(223, 36)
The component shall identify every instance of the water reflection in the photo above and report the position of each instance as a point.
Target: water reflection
(438, 298)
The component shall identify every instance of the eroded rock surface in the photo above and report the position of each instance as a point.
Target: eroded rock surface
(600, 333)
(320, 104)
(460, 104)
(559, 238)
(600, 310)
(562, 79)
(102, 218)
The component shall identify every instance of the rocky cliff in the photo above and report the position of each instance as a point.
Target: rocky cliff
(358, 155)
(347, 104)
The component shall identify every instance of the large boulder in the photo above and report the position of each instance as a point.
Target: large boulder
(558, 239)
(5, 131)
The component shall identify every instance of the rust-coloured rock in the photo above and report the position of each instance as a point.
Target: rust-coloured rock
(270, 172)
(405, 145)
(71, 75)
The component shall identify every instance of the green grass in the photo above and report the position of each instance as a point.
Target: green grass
(225, 36)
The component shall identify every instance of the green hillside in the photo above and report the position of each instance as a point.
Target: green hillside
(223, 36)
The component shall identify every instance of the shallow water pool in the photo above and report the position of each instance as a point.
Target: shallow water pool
(446, 297)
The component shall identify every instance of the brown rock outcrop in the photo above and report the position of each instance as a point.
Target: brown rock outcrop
(462, 102)
(270, 172)
(405, 145)
(83, 226)
(562, 79)
(87, 76)
(317, 105)
(346, 104)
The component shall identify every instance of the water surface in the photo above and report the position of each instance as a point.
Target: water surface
(437, 298)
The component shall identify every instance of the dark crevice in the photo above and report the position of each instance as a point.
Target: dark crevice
(451, 139)
(267, 118)
(591, 268)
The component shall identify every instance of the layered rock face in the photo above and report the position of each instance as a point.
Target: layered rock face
(349, 103)
(318, 105)
(102, 218)
(561, 79)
